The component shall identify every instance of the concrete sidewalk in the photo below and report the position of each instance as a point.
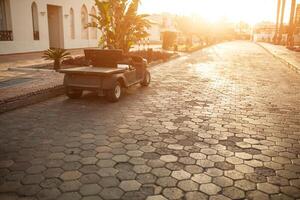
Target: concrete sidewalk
(29, 60)
(24, 88)
(291, 58)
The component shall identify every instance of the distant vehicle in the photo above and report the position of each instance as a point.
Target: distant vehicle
(110, 72)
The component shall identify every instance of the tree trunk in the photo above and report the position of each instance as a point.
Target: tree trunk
(277, 22)
(290, 39)
(57, 65)
(281, 22)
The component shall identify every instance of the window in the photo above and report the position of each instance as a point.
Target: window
(6, 33)
(35, 21)
(93, 20)
(72, 24)
(84, 22)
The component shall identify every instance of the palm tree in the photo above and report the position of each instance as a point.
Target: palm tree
(57, 55)
(119, 23)
(281, 22)
(277, 21)
(290, 40)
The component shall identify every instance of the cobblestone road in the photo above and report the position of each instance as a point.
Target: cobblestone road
(222, 123)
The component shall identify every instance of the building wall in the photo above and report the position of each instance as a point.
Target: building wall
(22, 27)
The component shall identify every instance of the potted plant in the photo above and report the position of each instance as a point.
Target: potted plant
(57, 55)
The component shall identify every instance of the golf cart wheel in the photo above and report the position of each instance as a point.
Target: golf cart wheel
(73, 93)
(114, 94)
(147, 79)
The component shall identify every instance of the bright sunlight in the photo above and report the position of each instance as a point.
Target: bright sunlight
(250, 11)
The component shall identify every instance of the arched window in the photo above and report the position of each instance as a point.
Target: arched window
(84, 22)
(6, 33)
(93, 20)
(72, 24)
(35, 21)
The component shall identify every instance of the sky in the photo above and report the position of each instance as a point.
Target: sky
(251, 11)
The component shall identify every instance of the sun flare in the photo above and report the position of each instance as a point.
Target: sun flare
(251, 11)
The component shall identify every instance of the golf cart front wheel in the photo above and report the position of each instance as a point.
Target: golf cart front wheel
(147, 79)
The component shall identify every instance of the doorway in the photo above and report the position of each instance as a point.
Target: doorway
(55, 26)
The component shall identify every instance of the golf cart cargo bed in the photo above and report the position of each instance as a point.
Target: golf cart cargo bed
(93, 70)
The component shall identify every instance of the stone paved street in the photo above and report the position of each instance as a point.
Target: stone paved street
(221, 123)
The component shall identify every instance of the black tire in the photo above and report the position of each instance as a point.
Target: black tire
(114, 94)
(73, 93)
(147, 79)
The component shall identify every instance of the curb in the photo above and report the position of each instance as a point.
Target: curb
(163, 61)
(31, 98)
(289, 64)
(24, 69)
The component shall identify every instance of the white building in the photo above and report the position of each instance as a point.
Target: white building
(36, 25)
(160, 23)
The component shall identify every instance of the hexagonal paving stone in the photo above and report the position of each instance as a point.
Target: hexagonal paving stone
(70, 186)
(126, 175)
(205, 163)
(209, 188)
(36, 169)
(224, 165)
(107, 172)
(70, 175)
(109, 182)
(214, 172)
(134, 153)
(243, 155)
(201, 178)
(27, 190)
(198, 156)
(48, 194)
(130, 185)
(188, 185)
(244, 168)
(172, 193)
(195, 195)
(280, 197)
(291, 191)
(245, 185)
(268, 188)
(156, 197)
(181, 175)
(257, 195)
(51, 183)
(120, 158)
(89, 160)
(169, 158)
(106, 163)
(111, 193)
(193, 169)
(89, 178)
(223, 181)
(141, 169)
(69, 196)
(6, 163)
(146, 178)
(33, 179)
(216, 158)
(160, 172)
(233, 174)
(175, 146)
(90, 189)
(234, 160)
(167, 181)
(234, 193)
